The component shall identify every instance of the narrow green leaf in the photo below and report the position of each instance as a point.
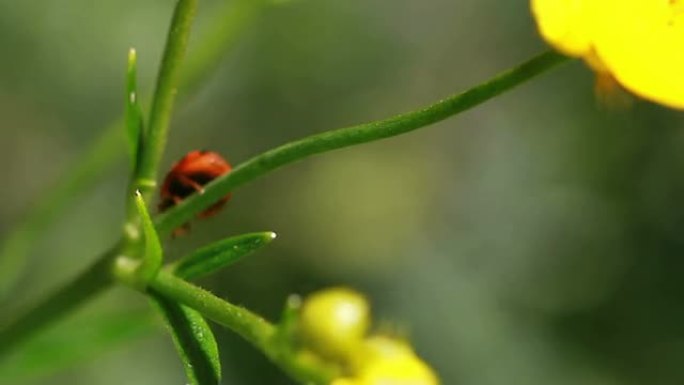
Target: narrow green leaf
(349, 136)
(220, 254)
(194, 341)
(134, 119)
(152, 258)
(72, 343)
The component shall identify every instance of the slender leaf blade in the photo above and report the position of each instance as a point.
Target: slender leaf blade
(134, 119)
(220, 254)
(152, 258)
(193, 339)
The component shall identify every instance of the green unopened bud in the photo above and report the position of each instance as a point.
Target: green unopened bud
(333, 322)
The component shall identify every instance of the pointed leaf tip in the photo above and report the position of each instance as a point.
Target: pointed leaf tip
(152, 256)
(221, 254)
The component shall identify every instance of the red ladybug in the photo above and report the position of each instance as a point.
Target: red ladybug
(188, 176)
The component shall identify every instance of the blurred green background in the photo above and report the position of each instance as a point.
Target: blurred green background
(536, 239)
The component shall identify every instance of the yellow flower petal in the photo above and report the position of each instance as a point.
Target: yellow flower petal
(389, 361)
(642, 44)
(566, 24)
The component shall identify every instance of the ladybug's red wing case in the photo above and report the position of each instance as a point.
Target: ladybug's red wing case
(188, 176)
(202, 162)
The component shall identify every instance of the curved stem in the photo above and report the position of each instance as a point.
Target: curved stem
(253, 328)
(154, 137)
(248, 325)
(349, 136)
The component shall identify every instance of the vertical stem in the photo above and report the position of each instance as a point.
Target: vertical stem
(165, 94)
(157, 128)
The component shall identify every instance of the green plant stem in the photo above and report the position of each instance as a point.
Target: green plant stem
(230, 22)
(91, 282)
(165, 95)
(144, 179)
(349, 136)
(250, 326)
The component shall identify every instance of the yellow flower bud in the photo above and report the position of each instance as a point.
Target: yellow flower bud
(333, 322)
(387, 361)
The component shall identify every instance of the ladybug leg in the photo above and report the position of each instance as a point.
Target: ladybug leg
(189, 182)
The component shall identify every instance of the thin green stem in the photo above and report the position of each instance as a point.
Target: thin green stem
(349, 136)
(91, 282)
(165, 94)
(253, 328)
(248, 325)
(132, 111)
(152, 147)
